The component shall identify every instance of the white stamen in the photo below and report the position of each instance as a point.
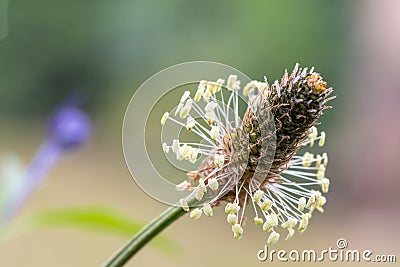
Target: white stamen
(198, 193)
(258, 221)
(165, 147)
(273, 238)
(318, 162)
(304, 222)
(321, 172)
(184, 204)
(219, 84)
(231, 219)
(193, 156)
(272, 219)
(232, 79)
(249, 88)
(186, 109)
(202, 185)
(210, 117)
(290, 234)
(290, 223)
(219, 160)
(211, 87)
(199, 93)
(164, 118)
(231, 208)
(266, 205)
(302, 203)
(213, 183)
(267, 227)
(214, 132)
(311, 201)
(207, 210)
(237, 231)
(322, 139)
(175, 145)
(185, 151)
(321, 201)
(307, 159)
(325, 185)
(200, 90)
(207, 94)
(257, 196)
(190, 123)
(185, 96)
(325, 158)
(178, 108)
(195, 214)
(313, 135)
(210, 107)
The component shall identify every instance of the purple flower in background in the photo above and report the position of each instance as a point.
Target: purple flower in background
(68, 128)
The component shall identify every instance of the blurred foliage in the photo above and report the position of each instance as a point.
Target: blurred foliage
(98, 219)
(11, 171)
(106, 49)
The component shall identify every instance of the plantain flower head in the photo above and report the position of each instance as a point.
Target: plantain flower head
(253, 160)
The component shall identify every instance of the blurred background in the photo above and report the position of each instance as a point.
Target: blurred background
(104, 50)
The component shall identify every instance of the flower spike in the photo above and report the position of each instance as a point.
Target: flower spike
(255, 159)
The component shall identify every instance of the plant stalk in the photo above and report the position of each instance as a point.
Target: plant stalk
(145, 235)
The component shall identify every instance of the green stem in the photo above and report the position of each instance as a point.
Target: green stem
(147, 233)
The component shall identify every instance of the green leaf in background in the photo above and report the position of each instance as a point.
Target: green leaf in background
(98, 219)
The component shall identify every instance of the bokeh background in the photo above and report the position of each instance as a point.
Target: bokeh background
(103, 50)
